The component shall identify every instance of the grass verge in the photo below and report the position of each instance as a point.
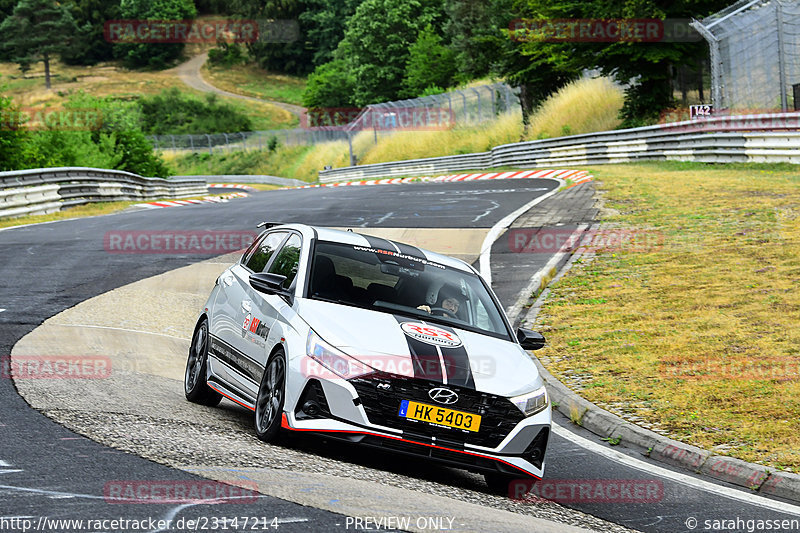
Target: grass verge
(250, 80)
(694, 333)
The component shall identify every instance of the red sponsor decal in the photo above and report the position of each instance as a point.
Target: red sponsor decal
(431, 334)
(201, 491)
(55, 367)
(587, 490)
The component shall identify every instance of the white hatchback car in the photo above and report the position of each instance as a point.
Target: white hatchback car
(377, 343)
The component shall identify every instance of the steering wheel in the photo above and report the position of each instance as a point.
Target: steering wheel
(445, 311)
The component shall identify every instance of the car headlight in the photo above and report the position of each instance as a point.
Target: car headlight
(532, 402)
(334, 360)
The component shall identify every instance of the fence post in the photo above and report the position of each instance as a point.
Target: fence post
(781, 57)
(173, 143)
(210, 148)
(191, 142)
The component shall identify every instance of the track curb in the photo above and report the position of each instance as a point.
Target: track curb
(758, 478)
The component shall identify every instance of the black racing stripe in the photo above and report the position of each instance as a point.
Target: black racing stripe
(409, 250)
(456, 364)
(424, 357)
(379, 243)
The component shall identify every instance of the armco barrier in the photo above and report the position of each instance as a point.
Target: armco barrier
(763, 138)
(39, 191)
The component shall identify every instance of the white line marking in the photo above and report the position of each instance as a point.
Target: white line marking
(122, 329)
(684, 479)
(484, 265)
(3, 463)
(525, 295)
(1, 310)
(291, 520)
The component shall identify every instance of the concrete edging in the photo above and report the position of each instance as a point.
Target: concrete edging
(663, 449)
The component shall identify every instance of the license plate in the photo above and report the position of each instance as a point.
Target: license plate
(439, 415)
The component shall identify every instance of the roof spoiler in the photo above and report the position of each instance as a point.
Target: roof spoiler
(267, 225)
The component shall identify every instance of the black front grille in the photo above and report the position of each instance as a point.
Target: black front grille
(381, 395)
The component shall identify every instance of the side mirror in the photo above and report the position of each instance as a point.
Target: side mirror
(268, 283)
(530, 340)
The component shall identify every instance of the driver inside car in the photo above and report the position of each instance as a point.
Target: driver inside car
(450, 304)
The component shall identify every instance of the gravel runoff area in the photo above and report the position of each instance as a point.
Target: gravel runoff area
(144, 328)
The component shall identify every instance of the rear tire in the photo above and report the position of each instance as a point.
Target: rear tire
(271, 396)
(195, 386)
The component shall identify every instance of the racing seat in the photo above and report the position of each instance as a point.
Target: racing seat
(326, 283)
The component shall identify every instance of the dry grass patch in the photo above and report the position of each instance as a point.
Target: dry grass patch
(696, 335)
(583, 106)
(250, 80)
(110, 79)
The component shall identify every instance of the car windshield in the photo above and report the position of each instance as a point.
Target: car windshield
(405, 285)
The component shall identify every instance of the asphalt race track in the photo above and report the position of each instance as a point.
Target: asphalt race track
(47, 470)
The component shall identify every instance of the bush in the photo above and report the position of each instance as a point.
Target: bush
(330, 85)
(430, 63)
(227, 55)
(174, 112)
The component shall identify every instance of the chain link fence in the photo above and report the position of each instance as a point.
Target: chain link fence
(463, 107)
(755, 55)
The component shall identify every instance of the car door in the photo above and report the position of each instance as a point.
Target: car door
(266, 307)
(239, 323)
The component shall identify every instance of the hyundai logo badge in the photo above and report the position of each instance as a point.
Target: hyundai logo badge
(443, 395)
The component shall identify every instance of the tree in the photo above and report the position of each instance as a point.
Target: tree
(430, 63)
(90, 46)
(537, 69)
(324, 22)
(474, 34)
(647, 66)
(38, 30)
(330, 85)
(153, 55)
(377, 41)
(10, 136)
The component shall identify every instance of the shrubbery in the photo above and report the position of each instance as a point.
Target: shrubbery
(174, 112)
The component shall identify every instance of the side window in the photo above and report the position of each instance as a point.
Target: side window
(287, 261)
(264, 250)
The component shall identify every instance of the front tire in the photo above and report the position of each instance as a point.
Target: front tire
(271, 396)
(195, 386)
(507, 484)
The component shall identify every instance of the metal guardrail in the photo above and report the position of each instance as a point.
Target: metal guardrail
(248, 178)
(41, 191)
(773, 137)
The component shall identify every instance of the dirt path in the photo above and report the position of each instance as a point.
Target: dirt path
(189, 73)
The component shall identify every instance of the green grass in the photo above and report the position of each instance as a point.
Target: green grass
(249, 80)
(694, 328)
